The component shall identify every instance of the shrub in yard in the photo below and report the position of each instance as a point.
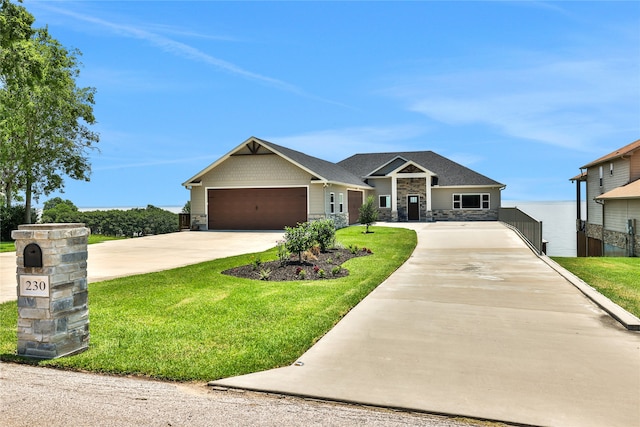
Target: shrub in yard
(336, 270)
(324, 233)
(298, 239)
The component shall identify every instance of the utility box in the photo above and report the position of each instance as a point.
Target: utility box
(53, 310)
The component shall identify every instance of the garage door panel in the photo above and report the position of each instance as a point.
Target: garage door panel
(257, 208)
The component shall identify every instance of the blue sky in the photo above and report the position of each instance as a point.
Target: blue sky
(523, 92)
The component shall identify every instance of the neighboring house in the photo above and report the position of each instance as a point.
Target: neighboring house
(613, 204)
(261, 185)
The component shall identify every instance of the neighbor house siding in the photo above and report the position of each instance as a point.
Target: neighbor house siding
(620, 175)
(615, 236)
(594, 210)
(617, 212)
(619, 178)
(634, 166)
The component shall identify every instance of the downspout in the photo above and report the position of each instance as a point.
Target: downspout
(324, 199)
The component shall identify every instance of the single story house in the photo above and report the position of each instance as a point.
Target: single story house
(613, 204)
(260, 185)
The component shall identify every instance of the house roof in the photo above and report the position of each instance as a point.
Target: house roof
(355, 169)
(626, 150)
(629, 191)
(322, 170)
(449, 172)
(580, 177)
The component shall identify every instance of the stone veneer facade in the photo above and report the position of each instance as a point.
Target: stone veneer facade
(58, 324)
(413, 187)
(465, 214)
(341, 220)
(615, 242)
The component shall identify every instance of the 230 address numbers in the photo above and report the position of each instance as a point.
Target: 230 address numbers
(34, 286)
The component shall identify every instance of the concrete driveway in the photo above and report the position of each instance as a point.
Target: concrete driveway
(474, 324)
(118, 258)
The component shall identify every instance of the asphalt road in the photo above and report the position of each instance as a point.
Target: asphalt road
(33, 396)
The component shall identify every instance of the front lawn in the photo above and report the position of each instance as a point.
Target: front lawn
(616, 278)
(194, 323)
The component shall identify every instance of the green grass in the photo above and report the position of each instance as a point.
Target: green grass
(616, 278)
(7, 247)
(97, 238)
(194, 323)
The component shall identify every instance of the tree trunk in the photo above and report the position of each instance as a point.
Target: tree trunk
(27, 201)
(8, 195)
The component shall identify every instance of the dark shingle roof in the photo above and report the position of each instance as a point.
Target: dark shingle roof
(325, 169)
(449, 172)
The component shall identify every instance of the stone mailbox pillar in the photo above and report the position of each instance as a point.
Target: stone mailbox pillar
(53, 311)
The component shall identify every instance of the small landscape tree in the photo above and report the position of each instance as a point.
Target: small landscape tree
(324, 233)
(368, 213)
(298, 239)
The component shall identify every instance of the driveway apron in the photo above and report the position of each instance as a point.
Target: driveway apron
(119, 258)
(474, 324)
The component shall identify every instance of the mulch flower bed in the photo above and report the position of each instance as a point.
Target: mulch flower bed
(326, 265)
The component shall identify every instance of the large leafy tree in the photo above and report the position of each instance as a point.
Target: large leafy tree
(44, 115)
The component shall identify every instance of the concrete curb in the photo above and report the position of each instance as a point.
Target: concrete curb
(627, 319)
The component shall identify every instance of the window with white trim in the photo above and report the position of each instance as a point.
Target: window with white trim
(601, 175)
(471, 201)
(332, 202)
(341, 202)
(384, 202)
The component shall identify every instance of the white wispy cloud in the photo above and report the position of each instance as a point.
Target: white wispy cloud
(178, 48)
(127, 164)
(184, 50)
(570, 103)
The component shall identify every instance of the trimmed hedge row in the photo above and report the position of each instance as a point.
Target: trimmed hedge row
(114, 222)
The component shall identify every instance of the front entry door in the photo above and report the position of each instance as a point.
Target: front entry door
(414, 208)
